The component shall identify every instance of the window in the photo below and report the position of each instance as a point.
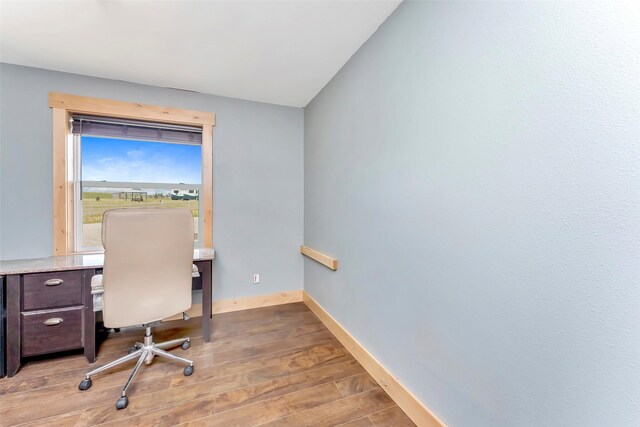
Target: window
(119, 154)
(129, 173)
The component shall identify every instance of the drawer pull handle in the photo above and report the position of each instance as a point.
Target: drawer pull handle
(53, 321)
(54, 282)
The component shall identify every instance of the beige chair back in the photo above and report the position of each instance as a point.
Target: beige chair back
(148, 257)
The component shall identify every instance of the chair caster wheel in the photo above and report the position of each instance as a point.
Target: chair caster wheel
(188, 371)
(186, 345)
(85, 384)
(132, 349)
(122, 402)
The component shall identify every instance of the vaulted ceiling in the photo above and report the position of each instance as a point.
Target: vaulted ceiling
(280, 52)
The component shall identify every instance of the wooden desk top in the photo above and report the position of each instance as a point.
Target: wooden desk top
(73, 262)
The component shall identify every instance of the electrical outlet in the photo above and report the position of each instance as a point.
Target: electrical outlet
(256, 279)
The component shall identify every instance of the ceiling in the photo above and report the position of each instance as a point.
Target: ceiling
(280, 52)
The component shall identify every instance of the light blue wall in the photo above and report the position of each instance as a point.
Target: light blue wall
(475, 168)
(258, 175)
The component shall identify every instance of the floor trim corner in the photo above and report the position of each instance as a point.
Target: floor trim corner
(407, 401)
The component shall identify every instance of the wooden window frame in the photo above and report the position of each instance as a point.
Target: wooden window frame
(64, 105)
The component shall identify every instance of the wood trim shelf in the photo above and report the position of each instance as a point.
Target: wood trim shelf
(323, 259)
(407, 401)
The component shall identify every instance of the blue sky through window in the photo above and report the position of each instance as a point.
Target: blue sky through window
(123, 160)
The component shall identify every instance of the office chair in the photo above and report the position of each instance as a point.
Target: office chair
(148, 257)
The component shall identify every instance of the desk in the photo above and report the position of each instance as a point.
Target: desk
(39, 291)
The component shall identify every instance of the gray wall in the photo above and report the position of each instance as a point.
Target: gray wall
(475, 169)
(258, 175)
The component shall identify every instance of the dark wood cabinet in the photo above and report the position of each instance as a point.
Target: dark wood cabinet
(52, 290)
(47, 313)
(49, 306)
(51, 330)
(3, 332)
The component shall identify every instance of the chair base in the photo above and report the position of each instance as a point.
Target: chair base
(144, 352)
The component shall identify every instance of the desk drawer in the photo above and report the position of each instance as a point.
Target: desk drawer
(51, 330)
(54, 289)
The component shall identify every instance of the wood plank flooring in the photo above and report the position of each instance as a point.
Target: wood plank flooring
(273, 366)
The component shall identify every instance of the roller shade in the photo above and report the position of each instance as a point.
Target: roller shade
(135, 129)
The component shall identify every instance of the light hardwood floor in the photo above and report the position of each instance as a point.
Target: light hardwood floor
(269, 366)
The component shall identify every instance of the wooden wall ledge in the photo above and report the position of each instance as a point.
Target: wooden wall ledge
(323, 259)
